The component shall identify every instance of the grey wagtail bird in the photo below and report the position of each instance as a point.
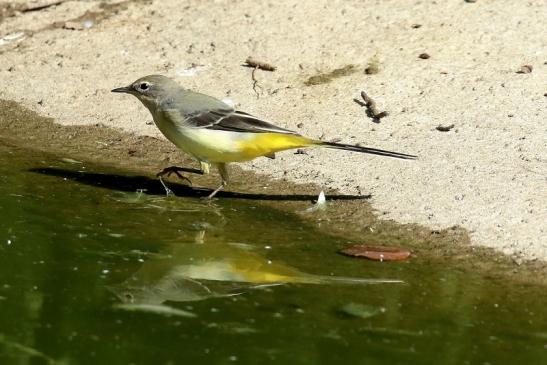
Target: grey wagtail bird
(214, 133)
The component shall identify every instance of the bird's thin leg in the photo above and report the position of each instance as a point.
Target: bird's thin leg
(221, 186)
(222, 168)
(167, 190)
(205, 167)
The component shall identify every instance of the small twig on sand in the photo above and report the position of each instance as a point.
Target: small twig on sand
(444, 128)
(372, 111)
(257, 65)
(255, 82)
(251, 62)
(40, 5)
(12, 8)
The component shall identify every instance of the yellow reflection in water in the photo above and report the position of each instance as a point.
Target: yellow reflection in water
(214, 268)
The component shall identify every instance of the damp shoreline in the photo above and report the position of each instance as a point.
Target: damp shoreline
(351, 217)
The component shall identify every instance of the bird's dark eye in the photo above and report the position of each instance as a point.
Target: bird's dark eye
(144, 86)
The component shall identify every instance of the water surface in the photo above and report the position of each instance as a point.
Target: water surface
(96, 273)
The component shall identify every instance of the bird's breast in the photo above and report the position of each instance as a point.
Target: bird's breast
(204, 144)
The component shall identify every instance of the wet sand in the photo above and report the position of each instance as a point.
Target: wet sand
(349, 216)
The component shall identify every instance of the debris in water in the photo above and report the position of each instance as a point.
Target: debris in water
(390, 331)
(161, 309)
(70, 160)
(133, 197)
(379, 253)
(29, 351)
(116, 235)
(320, 204)
(358, 310)
(321, 200)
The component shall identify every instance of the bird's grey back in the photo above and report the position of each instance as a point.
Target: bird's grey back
(171, 96)
(188, 102)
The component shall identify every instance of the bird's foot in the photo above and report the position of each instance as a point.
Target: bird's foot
(175, 170)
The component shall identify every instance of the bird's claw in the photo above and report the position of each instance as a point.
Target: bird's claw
(173, 170)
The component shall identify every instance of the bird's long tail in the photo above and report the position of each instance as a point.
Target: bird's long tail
(373, 151)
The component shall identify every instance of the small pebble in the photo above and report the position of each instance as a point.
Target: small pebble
(443, 128)
(525, 69)
(372, 68)
(424, 56)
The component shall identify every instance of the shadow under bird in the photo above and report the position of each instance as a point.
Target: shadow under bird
(215, 133)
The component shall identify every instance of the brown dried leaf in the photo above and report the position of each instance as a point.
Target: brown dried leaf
(379, 253)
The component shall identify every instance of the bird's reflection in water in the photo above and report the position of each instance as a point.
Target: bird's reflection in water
(213, 268)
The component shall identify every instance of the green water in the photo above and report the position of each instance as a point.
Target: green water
(94, 272)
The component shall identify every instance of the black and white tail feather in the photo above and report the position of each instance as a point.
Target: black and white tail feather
(369, 150)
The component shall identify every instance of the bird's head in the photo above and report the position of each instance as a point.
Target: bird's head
(150, 90)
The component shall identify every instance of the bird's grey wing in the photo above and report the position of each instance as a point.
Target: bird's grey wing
(234, 121)
(196, 110)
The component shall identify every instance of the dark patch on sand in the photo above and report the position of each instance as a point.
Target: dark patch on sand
(326, 77)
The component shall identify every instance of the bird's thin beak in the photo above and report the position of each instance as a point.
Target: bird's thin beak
(125, 89)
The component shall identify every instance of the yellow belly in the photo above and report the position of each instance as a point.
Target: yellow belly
(219, 146)
(262, 144)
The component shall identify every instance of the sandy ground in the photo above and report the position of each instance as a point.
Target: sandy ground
(487, 174)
